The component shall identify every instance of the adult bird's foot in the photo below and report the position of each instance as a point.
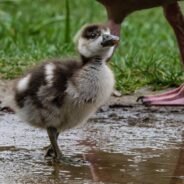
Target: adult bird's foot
(171, 98)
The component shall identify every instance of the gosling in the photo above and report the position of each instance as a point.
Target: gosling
(59, 95)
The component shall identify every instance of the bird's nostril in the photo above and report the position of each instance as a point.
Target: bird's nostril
(106, 37)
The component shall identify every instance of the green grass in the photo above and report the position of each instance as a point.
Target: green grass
(32, 31)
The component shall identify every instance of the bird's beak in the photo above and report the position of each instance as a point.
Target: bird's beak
(109, 40)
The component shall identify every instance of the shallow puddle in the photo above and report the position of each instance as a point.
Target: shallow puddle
(132, 145)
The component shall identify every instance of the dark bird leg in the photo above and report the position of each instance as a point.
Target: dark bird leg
(53, 135)
(53, 149)
(50, 151)
(175, 97)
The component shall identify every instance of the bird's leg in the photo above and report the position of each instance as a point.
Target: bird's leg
(175, 97)
(50, 151)
(175, 17)
(52, 133)
(54, 148)
(114, 27)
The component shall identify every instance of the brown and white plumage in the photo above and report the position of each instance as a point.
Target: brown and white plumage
(60, 95)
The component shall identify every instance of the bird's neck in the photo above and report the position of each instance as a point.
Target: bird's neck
(89, 60)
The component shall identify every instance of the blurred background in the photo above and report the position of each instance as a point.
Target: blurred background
(33, 31)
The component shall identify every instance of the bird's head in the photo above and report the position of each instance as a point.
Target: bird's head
(96, 41)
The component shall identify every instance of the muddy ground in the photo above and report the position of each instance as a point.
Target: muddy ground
(124, 142)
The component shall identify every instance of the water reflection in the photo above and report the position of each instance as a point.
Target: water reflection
(178, 175)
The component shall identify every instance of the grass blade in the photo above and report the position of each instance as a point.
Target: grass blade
(67, 22)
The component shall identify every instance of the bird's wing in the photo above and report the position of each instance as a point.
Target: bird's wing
(54, 91)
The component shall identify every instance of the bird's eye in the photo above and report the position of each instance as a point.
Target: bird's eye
(93, 35)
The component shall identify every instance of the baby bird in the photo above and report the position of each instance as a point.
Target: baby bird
(59, 95)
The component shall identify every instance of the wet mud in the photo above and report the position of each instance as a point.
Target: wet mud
(129, 144)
